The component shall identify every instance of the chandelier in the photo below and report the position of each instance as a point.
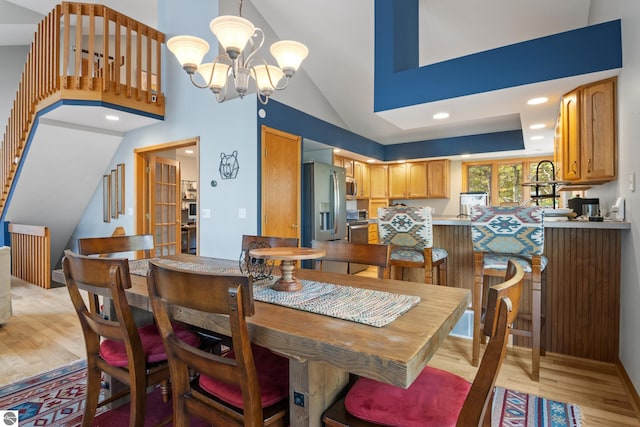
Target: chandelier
(240, 41)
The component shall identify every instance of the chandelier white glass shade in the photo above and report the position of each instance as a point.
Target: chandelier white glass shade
(240, 41)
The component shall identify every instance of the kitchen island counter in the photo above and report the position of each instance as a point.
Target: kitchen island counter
(582, 298)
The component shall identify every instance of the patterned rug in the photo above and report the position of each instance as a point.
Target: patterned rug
(56, 399)
(516, 409)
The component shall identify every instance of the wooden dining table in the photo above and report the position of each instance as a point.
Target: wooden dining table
(323, 350)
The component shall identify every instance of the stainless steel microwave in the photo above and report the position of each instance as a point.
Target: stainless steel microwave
(352, 188)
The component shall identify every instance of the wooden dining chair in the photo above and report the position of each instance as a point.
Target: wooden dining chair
(104, 246)
(135, 356)
(499, 234)
(409, 231)
(438, 398)
(248, 386)
(359, 253)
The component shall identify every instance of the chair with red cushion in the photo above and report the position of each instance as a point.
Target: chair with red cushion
(247, 386)
(116, 346)
(438, 398)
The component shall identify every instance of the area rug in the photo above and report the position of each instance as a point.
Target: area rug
(56, 399)
(516, 409)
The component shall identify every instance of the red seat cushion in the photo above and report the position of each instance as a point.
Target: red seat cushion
(434, 399)
(273, 377)
(115, 353)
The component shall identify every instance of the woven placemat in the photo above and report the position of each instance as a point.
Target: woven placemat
(366, 306)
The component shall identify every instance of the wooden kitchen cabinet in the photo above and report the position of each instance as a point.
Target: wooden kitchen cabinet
(408, 180)
(344, 162)
(374, 204)
(438, 179)
(361, 176)
(373, 233)
(378, 181)
(588, 133)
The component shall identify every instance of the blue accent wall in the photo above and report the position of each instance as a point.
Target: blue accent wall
(287, 119)
(483, 143)
(581, 51)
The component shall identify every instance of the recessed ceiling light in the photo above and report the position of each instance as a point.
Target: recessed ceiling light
(465, 155)
(371, 160)
(112, 117)
(188, 151)
(402, 161)
(536, 101)
(440, 116)
(538, 126)
(336, 150)
(537, 137)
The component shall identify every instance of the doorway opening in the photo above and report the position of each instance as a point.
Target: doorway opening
(166, 186)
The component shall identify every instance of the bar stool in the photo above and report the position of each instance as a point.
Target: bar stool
(409, 231)
(501, 233)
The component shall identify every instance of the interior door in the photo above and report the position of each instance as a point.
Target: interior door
(164, 204)
(281, 164)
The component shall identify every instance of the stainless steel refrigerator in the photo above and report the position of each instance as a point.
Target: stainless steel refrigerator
(324, 207)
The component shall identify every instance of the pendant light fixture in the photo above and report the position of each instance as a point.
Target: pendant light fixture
(238, 65)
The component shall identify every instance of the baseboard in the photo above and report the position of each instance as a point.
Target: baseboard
(634, 398)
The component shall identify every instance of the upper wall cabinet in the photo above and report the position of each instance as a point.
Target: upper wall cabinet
(361, 176)
(408, 180)
(438, 179)
(587, 145)
(419, 180)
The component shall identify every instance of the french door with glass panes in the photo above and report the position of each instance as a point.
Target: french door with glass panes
(164, 204)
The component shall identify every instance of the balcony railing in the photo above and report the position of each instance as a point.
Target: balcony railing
(83, 52)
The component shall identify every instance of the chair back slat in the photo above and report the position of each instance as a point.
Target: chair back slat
(406, 226)
(517, 230)
(116, 244)
(359, 253)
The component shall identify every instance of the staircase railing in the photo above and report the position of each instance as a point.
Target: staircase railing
(31, 254)
(85, 52)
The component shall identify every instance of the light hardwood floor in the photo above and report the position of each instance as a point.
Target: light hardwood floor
(44, 333)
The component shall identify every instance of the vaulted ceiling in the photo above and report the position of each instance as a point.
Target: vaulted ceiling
(340, 37)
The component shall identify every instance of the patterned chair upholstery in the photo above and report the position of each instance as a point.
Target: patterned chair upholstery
(409, 231)
(499, 234)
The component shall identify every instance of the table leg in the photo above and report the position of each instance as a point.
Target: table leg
(313, 387)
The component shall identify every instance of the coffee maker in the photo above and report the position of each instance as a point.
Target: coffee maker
(587, 208)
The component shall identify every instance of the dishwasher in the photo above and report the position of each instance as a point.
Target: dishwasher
(357, 232)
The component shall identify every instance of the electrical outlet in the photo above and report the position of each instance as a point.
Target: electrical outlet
(206, 213)
(298, 398)
(242, 213)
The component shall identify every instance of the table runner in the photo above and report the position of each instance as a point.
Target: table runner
(366, 306)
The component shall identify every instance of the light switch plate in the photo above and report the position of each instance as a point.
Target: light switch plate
(632, 181)
(206, 213)
(242, 213)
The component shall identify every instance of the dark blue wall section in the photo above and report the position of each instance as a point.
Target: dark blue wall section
(484, 143)
(282, 117)
(287, 119)
(585, 50)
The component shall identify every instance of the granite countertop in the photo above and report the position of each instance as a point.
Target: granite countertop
(614, 225)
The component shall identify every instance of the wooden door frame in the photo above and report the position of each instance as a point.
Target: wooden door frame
(141, 192)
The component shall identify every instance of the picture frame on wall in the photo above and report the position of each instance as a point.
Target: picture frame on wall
(106, 198)
(120, 176)
(113, 199)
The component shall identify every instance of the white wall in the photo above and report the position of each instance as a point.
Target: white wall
(12, 60)
(628, 155)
